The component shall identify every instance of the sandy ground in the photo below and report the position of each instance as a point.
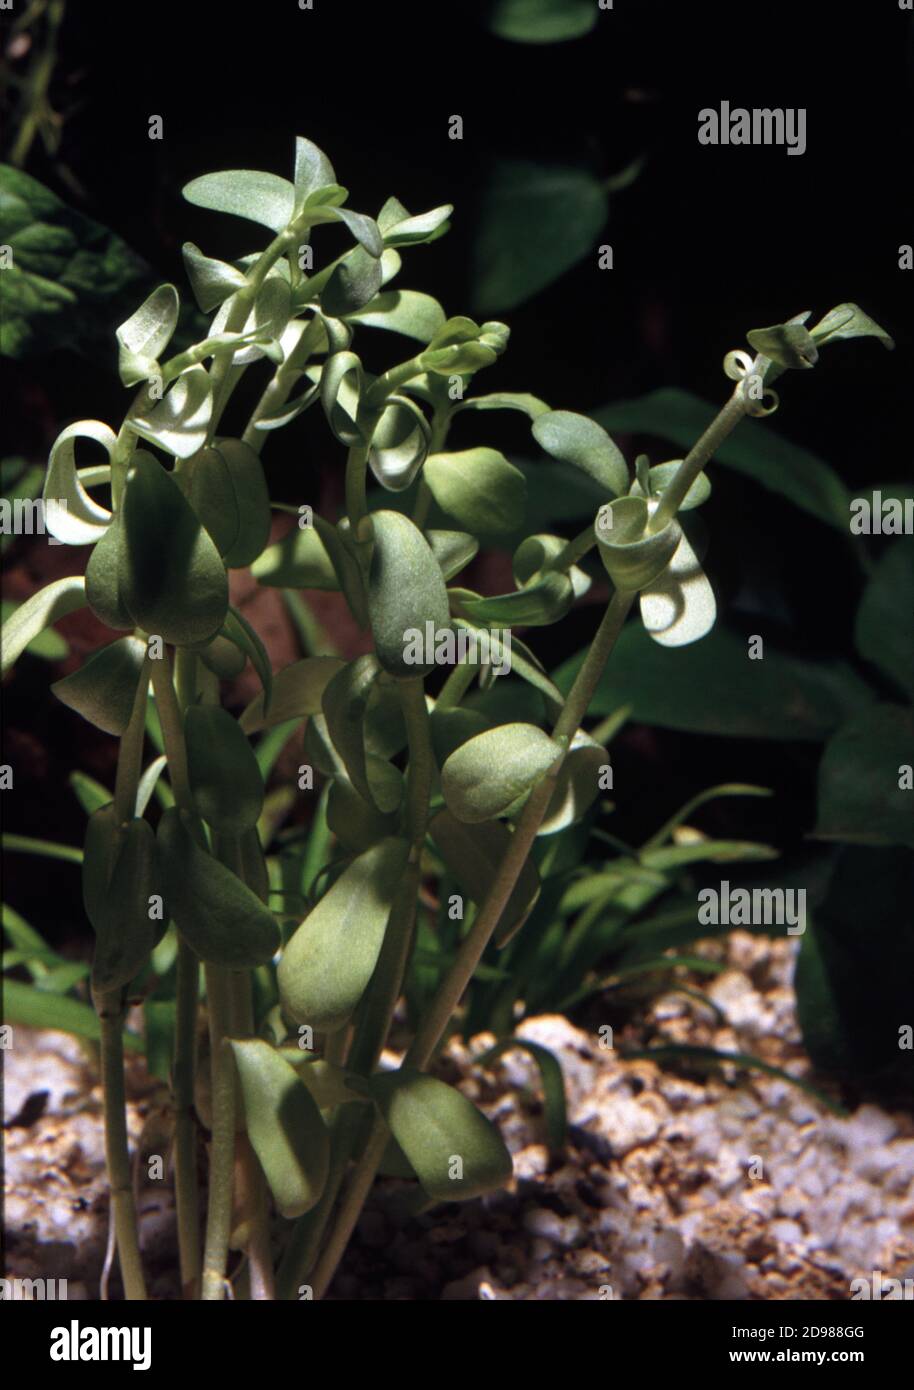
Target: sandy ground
(721, 1187)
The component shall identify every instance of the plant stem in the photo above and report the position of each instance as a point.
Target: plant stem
(276, 392)
(388, 382)
(356, 1193)
(356, 494)
(172, 732)
(222, 1154)
(183, 1073)
(456, 686)
(243, 303)
(252, 1191)
(700, 454)
(474, 943)
(130, 754)
(187, 995)
(573, 551)
(37, 111)
(109, 1006)
(110, 1009)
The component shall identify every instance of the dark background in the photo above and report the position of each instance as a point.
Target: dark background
(708, 243)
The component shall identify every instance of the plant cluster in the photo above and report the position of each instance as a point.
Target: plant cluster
(308, 943)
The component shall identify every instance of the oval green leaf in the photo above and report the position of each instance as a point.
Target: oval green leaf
(583, 443)
(329, 960)
(223, 771)
(406, 591)
(455, 1152)
(173, 581)
(485, 776)
(284, 1125)
(220, 918)
(479, 488)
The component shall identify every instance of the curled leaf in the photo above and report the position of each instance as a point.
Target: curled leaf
(678, 606)
(632, 555)
(180, 421)
(145, 335)
(70, 513)
(37, 613)
(399, 444)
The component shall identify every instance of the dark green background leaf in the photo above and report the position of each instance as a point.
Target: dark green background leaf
(536, 221)
(71, 278)
(712, 687)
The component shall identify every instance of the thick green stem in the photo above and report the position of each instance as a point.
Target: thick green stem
(243, 302)
(111, 1012)
(388, 382)
(110, 1009)
(356, 480)
(185, 1065)
(222, 1154)
(700, 454)
(187, 994)
(456, 686)
(172, 724)
(252, 1189)
(573, 551)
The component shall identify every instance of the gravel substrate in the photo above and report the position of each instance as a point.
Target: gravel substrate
(725, 1187)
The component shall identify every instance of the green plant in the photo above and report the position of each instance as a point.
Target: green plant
(294, 1099)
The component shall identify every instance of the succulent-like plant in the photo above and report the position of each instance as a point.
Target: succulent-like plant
(296, 1103)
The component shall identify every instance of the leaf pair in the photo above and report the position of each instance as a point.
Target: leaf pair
(226, 487)
(453, 1150)
(156, 567)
